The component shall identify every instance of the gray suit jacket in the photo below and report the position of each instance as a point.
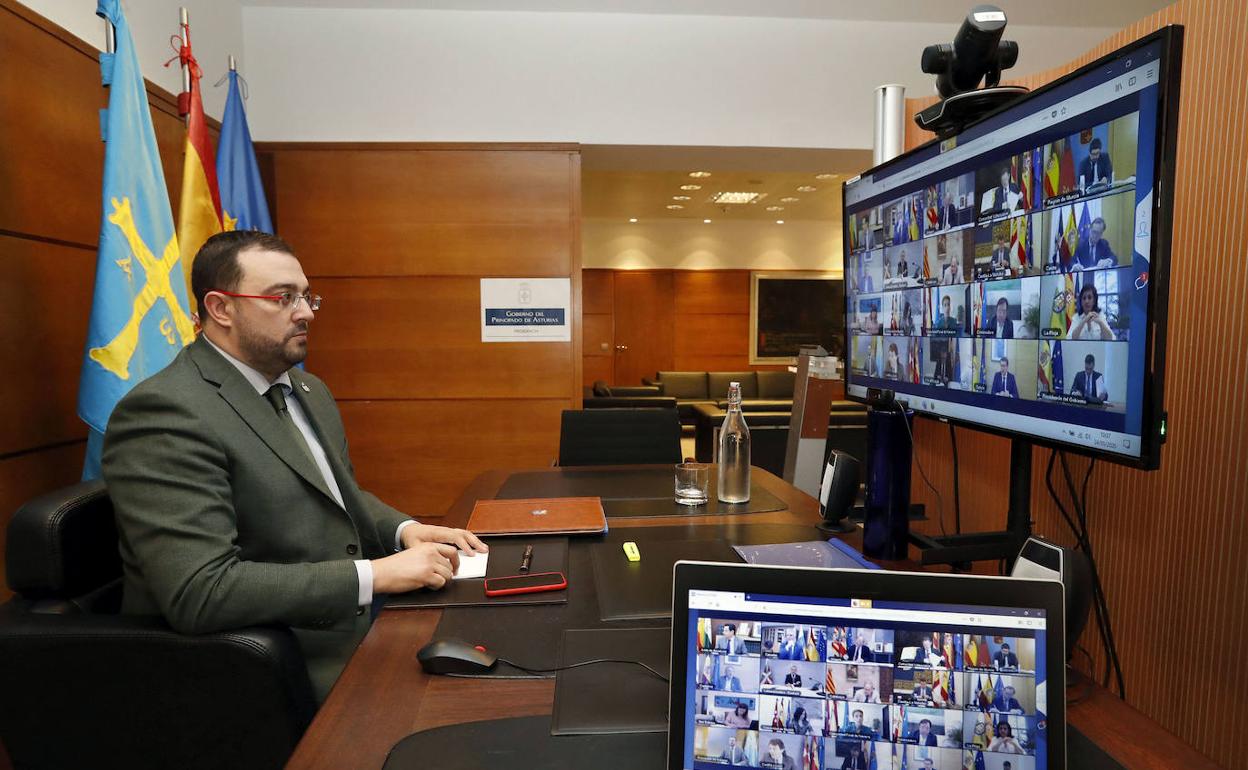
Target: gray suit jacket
(226, 523)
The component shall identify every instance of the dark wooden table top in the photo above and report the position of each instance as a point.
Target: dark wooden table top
(383, 696)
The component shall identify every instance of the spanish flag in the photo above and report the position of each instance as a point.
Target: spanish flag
(199, 213)
(1053, 170)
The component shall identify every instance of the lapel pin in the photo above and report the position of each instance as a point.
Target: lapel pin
(305, 387)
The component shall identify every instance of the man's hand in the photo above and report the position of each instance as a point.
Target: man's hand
(426, 533)
(422, 565)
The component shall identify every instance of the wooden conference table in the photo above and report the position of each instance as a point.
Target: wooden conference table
(383, 696)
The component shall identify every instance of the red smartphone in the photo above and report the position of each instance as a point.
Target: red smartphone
(525, 584)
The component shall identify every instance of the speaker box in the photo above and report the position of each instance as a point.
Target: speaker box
(838, 491)
(1041, 559)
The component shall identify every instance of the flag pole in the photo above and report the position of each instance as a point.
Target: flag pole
(184, 30)
(110, 37)
(233, 64)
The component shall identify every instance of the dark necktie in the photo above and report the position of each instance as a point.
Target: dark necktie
(277, 397)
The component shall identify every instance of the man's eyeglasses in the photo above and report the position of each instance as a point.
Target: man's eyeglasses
(288, 300)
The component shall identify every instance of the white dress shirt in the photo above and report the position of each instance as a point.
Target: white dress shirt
(363, 568)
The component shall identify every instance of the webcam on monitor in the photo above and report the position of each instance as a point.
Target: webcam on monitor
(977, 54)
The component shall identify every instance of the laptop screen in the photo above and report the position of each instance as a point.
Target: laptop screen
(797, 683)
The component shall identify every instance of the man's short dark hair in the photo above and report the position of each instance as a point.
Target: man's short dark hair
(1098, 221)
(1089, 359)
(1096, 144)
(1006, 645)
(1004, 301)
(216, 264)
(730, 627)
(928, 721)
(1005, 361)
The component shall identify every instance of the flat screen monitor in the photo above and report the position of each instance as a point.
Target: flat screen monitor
(828, 678)
(1013, 277)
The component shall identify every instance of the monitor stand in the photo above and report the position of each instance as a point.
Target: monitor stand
(969, 547)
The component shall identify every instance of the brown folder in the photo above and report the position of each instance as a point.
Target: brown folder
(539, 516)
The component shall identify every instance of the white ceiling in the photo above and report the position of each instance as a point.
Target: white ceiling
(1051, 13)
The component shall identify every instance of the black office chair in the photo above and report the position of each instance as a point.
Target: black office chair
(86, 687)
(619, 437)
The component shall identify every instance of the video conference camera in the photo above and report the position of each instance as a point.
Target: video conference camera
(977, 54)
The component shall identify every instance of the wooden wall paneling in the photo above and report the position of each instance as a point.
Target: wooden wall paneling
(420, 455)
(1170, 544)
(420, 337)
(25, 476)
(45, 298)
(574, 274)
(428, 405)
(427, 212)
(599, 291)
(722, 335)
(50, 146)
(643, 324)
(715, 292)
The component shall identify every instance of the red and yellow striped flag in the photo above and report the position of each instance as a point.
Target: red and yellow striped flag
(199, 212)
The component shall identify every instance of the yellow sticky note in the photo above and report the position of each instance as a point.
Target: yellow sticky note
(630, 550)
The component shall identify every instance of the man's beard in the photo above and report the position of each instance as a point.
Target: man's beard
(272, 355)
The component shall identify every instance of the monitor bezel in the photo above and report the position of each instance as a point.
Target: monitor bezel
(881, 585)
(1153, 415)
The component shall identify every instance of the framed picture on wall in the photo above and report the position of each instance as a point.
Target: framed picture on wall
(791, 309)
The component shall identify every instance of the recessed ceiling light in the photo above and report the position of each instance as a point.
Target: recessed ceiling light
(807, 188)
(790, 199)
(706, 221)
(691, 187)
(826, 176)
(775, 208)
(699, 174)
(680, 197)
(779, 221)
(737, 198)
(675, 206)
(632, 219)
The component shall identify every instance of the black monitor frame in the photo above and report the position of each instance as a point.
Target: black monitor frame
(1153, 414)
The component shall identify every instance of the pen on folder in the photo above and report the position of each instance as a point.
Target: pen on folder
(527, 560)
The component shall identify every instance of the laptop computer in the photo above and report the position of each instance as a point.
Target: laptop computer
(796, 668)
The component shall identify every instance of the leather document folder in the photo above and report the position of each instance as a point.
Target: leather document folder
(539, 516)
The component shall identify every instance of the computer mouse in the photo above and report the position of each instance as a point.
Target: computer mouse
(452, 656)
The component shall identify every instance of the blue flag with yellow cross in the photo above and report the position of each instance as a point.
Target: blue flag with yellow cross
(139, 319)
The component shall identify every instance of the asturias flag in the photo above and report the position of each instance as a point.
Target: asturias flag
(243, 205)
(139, 318)
(199, 212)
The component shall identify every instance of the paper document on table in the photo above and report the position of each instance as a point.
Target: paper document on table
(471, 565)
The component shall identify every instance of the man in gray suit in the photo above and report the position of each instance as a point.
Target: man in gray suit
(234, 493)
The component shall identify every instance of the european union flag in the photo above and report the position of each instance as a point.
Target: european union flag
(243, 206)
(138, 317)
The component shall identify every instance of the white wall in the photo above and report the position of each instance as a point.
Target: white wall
(216, 32)
(691, 245)
(419, 75)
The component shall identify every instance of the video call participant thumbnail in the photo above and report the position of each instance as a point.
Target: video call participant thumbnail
(948, 363)
(868, 315)
(868, 356)
(867, 275)
(949, 316)
(1095, 372)
(1000, 192)
(780, 752)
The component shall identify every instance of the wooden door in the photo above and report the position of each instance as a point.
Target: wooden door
(644, 314)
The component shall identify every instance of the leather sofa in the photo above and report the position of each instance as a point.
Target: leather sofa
(769, 432)
(87, 687)
(763, 389)
(604, 396)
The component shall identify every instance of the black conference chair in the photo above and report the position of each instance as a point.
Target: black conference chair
(86, 687)
(619, 437)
